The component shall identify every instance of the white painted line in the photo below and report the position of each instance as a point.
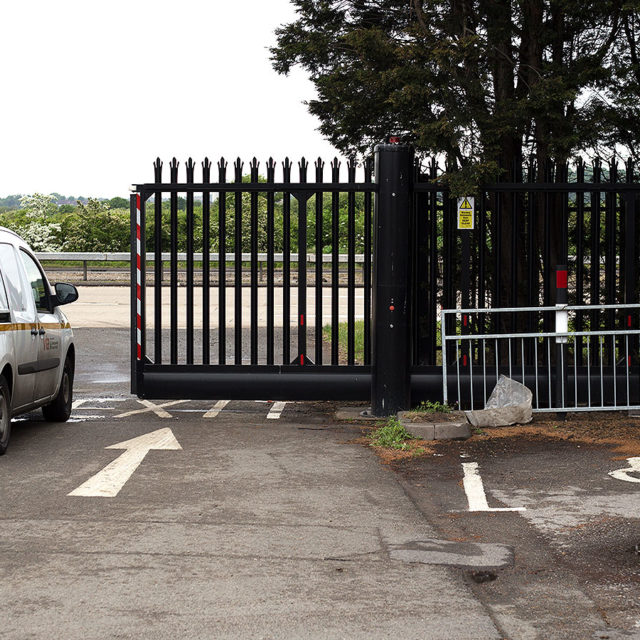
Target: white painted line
(276, 410)
(150, 406)
(216, 409)
(623, 474)
(77, 403)
(473, 487)
(108, 482)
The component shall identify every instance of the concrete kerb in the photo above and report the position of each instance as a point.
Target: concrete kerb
(428, 428)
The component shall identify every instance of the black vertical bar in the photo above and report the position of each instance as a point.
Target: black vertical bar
(420, 297)
(319, 264)
(190, 179)
(595, 257)
(630, 261)
(254, 264)
(482, 226)
(580, 233)
(136, 365)
(610, 258)
(390, 388)
(351, 263)
(157, 279)
(546, 251)
(206, 264)
(448, 257)
(368, 173)
(222, 265)
(335, 265)
(237, 279)
(432, 327)
(303, 199)
(286, 265)
(271, 167)
(498, 250)
(533, 287)
(516, 171)
(173, 203)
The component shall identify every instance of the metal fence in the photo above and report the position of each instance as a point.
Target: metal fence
(596, 369)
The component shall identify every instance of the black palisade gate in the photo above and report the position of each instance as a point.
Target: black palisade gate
(332, 290)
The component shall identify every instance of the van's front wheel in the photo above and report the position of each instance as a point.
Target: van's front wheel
(60, 409)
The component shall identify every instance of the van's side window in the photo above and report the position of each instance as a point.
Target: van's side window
(12, 279)
(4, 304)
(36, 282)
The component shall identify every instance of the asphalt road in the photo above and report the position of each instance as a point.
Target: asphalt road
(271, 520)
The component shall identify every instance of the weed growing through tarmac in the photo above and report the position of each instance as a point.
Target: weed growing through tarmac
(393, 435)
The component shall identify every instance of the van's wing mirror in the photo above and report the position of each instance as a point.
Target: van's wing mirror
(65, 294)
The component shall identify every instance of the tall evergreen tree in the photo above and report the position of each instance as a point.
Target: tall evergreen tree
(482, 81)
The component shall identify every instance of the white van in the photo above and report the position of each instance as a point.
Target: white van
(37, 354)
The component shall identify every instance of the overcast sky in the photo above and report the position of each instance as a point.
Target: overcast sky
(94, 91)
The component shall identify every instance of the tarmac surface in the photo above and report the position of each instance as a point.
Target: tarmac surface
(273, 520)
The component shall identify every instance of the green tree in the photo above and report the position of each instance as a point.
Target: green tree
(118, 203)
(478, 80)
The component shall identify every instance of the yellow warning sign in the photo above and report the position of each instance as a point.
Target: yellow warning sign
(466, 208)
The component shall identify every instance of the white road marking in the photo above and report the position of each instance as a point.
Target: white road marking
(150, 406)
(80, 401)
(276, 410)
(108, 482)
(473, 487)
(623, 474)
(216, 409)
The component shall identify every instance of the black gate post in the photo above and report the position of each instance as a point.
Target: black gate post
(390, 384)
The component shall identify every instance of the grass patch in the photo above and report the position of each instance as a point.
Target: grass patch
(392, 435)
(426, 406)
(343, 339)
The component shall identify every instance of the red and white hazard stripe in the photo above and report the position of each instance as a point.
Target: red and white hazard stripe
(138, 281)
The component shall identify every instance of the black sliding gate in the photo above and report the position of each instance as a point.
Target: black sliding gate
(268, 285)
(280, 287)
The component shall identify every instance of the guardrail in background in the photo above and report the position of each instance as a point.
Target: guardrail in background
(593, 370)
(87, 257)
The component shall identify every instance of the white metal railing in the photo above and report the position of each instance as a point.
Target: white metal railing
(565, 370)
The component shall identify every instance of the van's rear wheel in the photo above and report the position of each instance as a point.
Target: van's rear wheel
(5, 415)
(60, 409)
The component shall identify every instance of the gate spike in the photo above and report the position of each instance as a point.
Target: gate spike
(157, 166)
(237, 166)
(191, 165)
(302, 165)
(206, 170)
(319, 163)
(286, 168)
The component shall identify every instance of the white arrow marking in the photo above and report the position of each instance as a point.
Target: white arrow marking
(216, 409)
(473, 487)
(108, 482)
(623, 474)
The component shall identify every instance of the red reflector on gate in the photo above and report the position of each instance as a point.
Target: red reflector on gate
(561, 279)
(394, 140)
(302, 359)
(464, 320)
(464, 361)
(629, 321)
(301, 320)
